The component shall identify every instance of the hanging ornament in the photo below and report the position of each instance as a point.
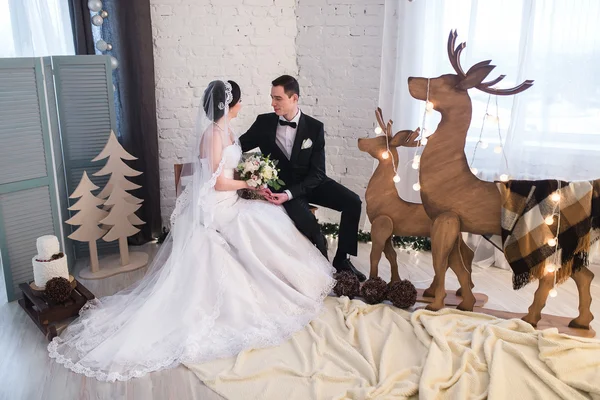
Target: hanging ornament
(95, 5)
(114, 63)
(104, 14)
(97, 20)
(101, 45)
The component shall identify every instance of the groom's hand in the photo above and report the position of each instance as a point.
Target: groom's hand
(266, 193)
(279, 198)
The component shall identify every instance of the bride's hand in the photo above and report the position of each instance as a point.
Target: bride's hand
(265, 192)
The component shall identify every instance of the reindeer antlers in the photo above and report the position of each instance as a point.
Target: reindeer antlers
(454, 55)
(385, 128)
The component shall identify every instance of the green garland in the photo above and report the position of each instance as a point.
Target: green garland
(406, 242)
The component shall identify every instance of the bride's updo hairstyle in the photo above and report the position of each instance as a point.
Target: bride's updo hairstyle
(215, 98)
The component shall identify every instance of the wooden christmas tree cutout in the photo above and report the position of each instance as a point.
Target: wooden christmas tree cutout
(87, 218)
(119, 220)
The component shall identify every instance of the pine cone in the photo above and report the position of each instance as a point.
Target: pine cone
(347, 284)
(402, 294)
(374, 290)
(58, 290)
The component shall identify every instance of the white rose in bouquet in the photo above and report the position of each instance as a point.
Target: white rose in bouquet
(259, 171)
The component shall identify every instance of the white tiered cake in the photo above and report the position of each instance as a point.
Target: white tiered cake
(49, 262)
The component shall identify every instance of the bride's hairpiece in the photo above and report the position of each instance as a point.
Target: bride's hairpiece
(228, 93)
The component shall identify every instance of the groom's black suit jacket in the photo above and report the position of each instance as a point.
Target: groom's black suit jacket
(305, 170)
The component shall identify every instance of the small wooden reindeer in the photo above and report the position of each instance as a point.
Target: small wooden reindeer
(453, 197)
(390, 215)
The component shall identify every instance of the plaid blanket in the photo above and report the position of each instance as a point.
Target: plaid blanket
(525, 234)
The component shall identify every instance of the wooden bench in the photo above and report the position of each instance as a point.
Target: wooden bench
(178, 169)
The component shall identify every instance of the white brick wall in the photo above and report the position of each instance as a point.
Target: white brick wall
(339, 57)
(333, 47)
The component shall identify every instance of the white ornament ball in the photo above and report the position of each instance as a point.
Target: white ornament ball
(415, 165)
(104, 14)
(385, 155)
(97, 20)
(378, 131)
(95, 5)
(416, 187)
(396, 178)
(549, 220)
(114, 63)
(101, 45)
(553, 293)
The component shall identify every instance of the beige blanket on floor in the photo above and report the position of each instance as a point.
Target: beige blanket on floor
(357, 351)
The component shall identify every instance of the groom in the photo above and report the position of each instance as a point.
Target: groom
(298, 142)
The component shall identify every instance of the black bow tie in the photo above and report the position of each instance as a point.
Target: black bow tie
(292, 124)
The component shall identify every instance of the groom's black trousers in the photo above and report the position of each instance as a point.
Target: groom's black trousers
(332, 195)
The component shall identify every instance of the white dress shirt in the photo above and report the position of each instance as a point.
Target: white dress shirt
(285, 137)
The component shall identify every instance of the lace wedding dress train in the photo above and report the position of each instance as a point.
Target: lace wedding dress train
(251, 282)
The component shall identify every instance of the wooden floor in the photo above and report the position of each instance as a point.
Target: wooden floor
(26, 371)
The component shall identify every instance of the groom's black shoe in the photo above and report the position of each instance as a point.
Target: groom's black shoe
(346, 265)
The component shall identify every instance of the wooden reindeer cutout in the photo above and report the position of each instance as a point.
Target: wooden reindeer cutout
(452, 196)
(390, 215)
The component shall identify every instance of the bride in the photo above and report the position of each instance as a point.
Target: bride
(233, 274)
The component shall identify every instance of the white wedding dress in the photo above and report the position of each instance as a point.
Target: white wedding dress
(250, 281)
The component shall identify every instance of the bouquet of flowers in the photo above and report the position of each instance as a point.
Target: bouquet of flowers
(259, 171)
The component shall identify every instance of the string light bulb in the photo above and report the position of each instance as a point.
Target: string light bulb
(549, 220)
(553, 293)
(385, 155)
(415, 165)
(552, 242)
(498, 149)
(555, 197)
(378, 130)
(424, 141)
(504, 178)
(429, 106)
(474, 171)
(484, 145)
(416, 187)
(550, 268)
(396, 178)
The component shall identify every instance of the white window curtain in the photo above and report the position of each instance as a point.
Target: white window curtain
(551, 130)
(35, 28)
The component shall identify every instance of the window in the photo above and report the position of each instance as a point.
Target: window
(549, 131)
(35, 28)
